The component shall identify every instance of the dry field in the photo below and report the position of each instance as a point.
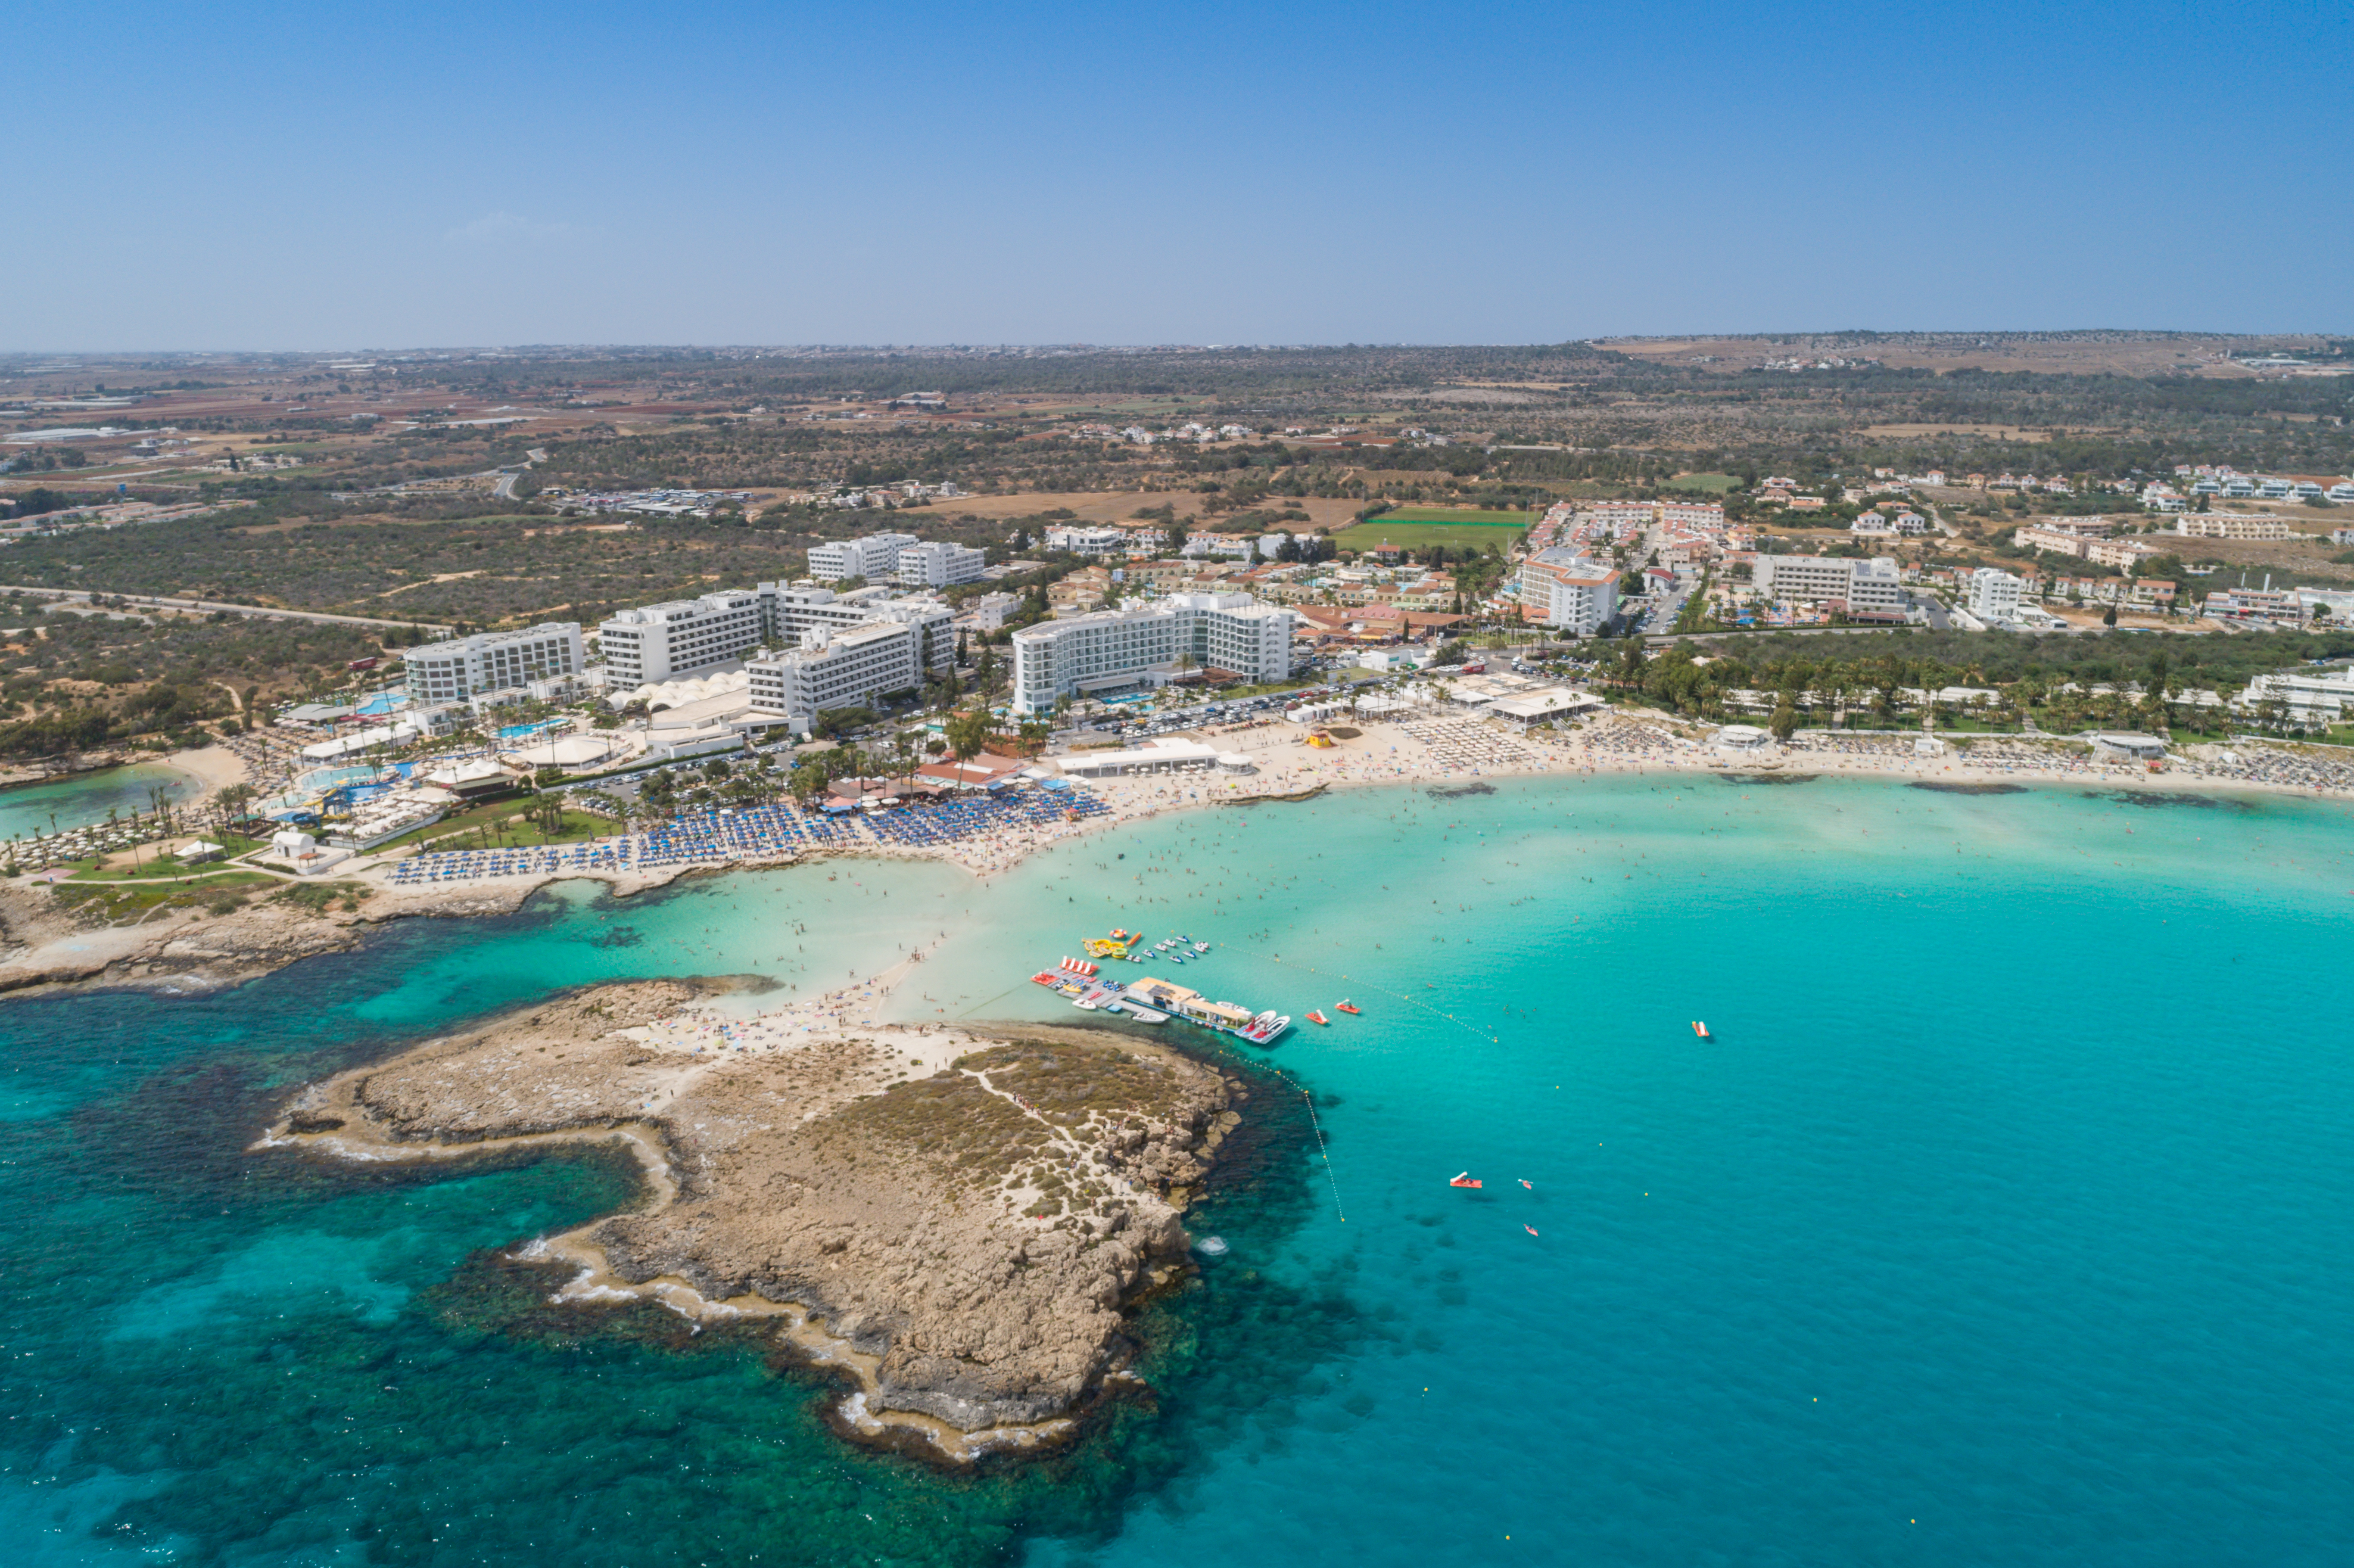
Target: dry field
(1989, 432)
(1115, 506)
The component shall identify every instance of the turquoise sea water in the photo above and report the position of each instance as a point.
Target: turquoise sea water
(85, 797)
(2005, 1220)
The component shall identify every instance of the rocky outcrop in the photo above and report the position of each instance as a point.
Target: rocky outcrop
(47, 942)
(959, 1221)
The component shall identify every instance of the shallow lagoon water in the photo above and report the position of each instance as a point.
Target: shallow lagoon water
(2005, 1219)
(82, 799)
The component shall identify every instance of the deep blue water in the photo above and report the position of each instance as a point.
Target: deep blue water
(2005, 1220)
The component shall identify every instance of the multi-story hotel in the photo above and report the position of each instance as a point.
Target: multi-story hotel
(1869, 585)
(1144, 644)
(1567, 590)
(464, 667)
(873, 557)
(662, 642)
(938, 566)
(849, 668)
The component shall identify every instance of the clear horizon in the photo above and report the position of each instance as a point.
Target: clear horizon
(251, 179)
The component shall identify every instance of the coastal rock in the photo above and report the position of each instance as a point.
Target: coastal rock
(968, 1235)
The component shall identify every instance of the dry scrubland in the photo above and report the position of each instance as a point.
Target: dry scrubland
(394, 515)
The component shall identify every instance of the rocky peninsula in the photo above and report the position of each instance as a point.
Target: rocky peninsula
(953, 1223)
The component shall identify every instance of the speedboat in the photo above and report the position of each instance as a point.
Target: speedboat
(1267, 1028)
(1145, 1014)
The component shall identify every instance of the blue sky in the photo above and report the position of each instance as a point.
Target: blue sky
(283, 176)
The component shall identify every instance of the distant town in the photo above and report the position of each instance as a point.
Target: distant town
(404, 589)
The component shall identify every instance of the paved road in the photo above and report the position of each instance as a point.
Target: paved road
(84, 595)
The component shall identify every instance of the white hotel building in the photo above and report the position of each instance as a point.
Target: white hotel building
(466, 667)
(663, 642)
(1081, 540)
(1144, 644)
(1568, 591)
(836, 670)
(1871, 585)
(873, 557)
(938, 566)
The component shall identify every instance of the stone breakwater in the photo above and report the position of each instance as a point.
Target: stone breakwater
(955, 1224)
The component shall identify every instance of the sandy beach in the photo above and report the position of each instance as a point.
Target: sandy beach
(215, 767)
(1444, 748)
(1433, 750)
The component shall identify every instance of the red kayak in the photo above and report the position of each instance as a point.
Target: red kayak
(1531, 1229)
(1463, 1180)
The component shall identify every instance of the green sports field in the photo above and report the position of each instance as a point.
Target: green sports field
(1408, 534)
(1459, 516)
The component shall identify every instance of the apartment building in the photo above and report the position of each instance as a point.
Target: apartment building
(661, 641)
(938, 566)
(1160, 574)
(2122, 554)
(1873, 585)
(1568, 591)
(1089, 541)
(464, 667)
(851, 668)
(1622, 514)
(990, 611)
(2231, 525)
(873, 557)
(2052, 539)
(1994, 595)
(1083, 590)
(1702, 516)
(1143, 644)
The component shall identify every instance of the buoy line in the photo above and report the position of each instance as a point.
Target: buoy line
(1396, 995)
(1322, 1147)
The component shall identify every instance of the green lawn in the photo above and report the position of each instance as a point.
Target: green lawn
(1470, 515)
(465, 830)
(151, 867)
(1409, 536)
